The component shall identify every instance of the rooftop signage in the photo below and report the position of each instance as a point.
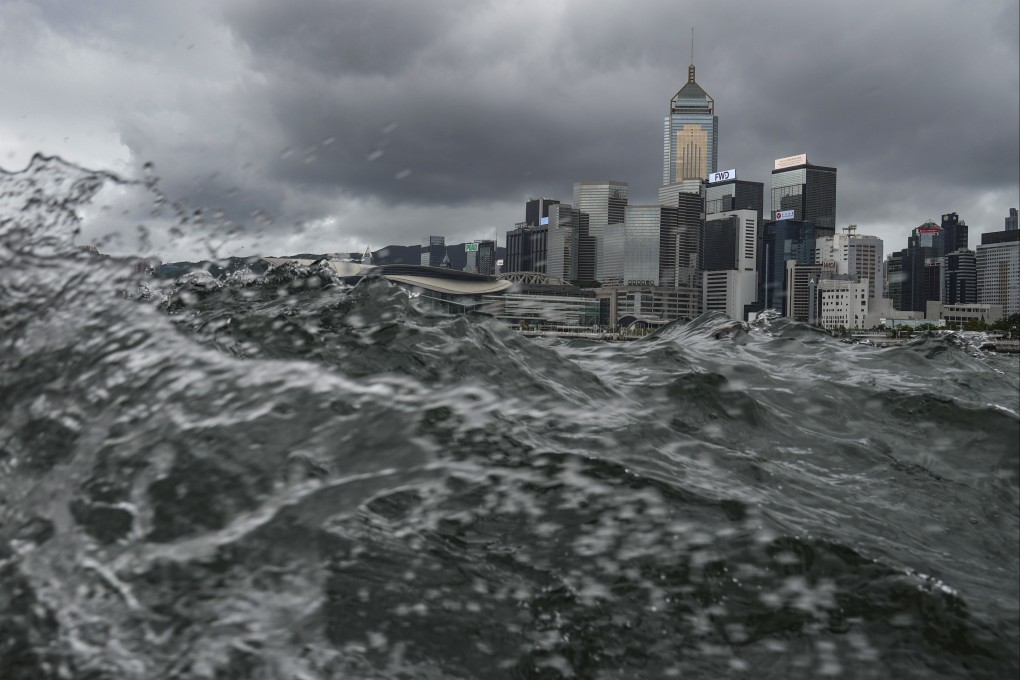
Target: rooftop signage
(791, 161)
(784, 215)
(722, 176)
(471, 247)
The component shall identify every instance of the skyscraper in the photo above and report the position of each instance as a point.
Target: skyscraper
(643, 232)
(1011, 220)
(536, 210)
(690, 134)
(855, 255)
(486, 258)
(959, 278)
(526, 249)
(480, 257)
(604, 201)
(919, 281)
(808, 190)
(730, 241)
(433, 248)
(735, 194)
(563, 241)
(729, 245)
(998, 273)
(895, 277)
(955, 234)
(786, 240)
(690, 226)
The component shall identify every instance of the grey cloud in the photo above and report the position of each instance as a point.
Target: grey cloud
(349, 37)
(291, 109)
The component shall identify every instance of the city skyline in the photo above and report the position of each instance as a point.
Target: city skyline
(446, 120)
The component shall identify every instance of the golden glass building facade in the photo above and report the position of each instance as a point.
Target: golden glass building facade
(690, 145)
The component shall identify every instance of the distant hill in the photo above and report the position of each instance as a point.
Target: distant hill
(397, 255)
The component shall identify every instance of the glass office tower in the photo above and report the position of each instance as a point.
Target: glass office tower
(433, 248)
(536, 210)
(647, 228)
(690, 134)
(604, 202)
(959, 278)
(783, 241)
(735, 194)
(955, 233)
(690, 226)
(808, 190)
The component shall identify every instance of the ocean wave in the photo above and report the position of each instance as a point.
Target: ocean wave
(283, 475)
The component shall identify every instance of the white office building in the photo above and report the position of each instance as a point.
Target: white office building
(843, 302)
(998, 275)
(854, 254)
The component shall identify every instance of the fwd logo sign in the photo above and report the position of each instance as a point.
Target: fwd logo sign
(722, 176)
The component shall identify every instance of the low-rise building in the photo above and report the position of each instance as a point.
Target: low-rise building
(843, 303)
(961, 314)
(651, 303)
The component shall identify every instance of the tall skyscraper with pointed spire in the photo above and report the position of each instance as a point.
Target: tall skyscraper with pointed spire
(690, 133)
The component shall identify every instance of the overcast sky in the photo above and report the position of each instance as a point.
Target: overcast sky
(332, 125)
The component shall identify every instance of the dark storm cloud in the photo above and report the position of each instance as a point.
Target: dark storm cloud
(365, 111)
(891, 91)
(351, 37)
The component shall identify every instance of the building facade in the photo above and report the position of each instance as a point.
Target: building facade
(536, 211)
(433, 250)
(563, 241)
(480, 257)
(843, 302)
(526, 249)
(917, 269)
(959, 278)
(643, 230)
(959, 315)
(651, 303)
(854, 254)
(955, 233)
(728, 291)
(729, 246)
(690, 134)
(783, 241)
(690, 219)
(802, 191)
(998, 274)
(669, 194)
(604, 201)
(800, 300)
(735, 194)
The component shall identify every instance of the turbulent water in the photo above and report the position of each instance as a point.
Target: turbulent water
(288, 477)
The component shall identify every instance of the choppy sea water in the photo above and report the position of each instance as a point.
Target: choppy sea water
(283, 476)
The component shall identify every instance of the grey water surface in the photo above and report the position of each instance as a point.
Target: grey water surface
(284, 476)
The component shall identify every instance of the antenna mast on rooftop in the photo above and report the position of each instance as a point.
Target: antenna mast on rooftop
(690, 69)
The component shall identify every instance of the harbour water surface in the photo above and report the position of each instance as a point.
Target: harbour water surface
(288, 477)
